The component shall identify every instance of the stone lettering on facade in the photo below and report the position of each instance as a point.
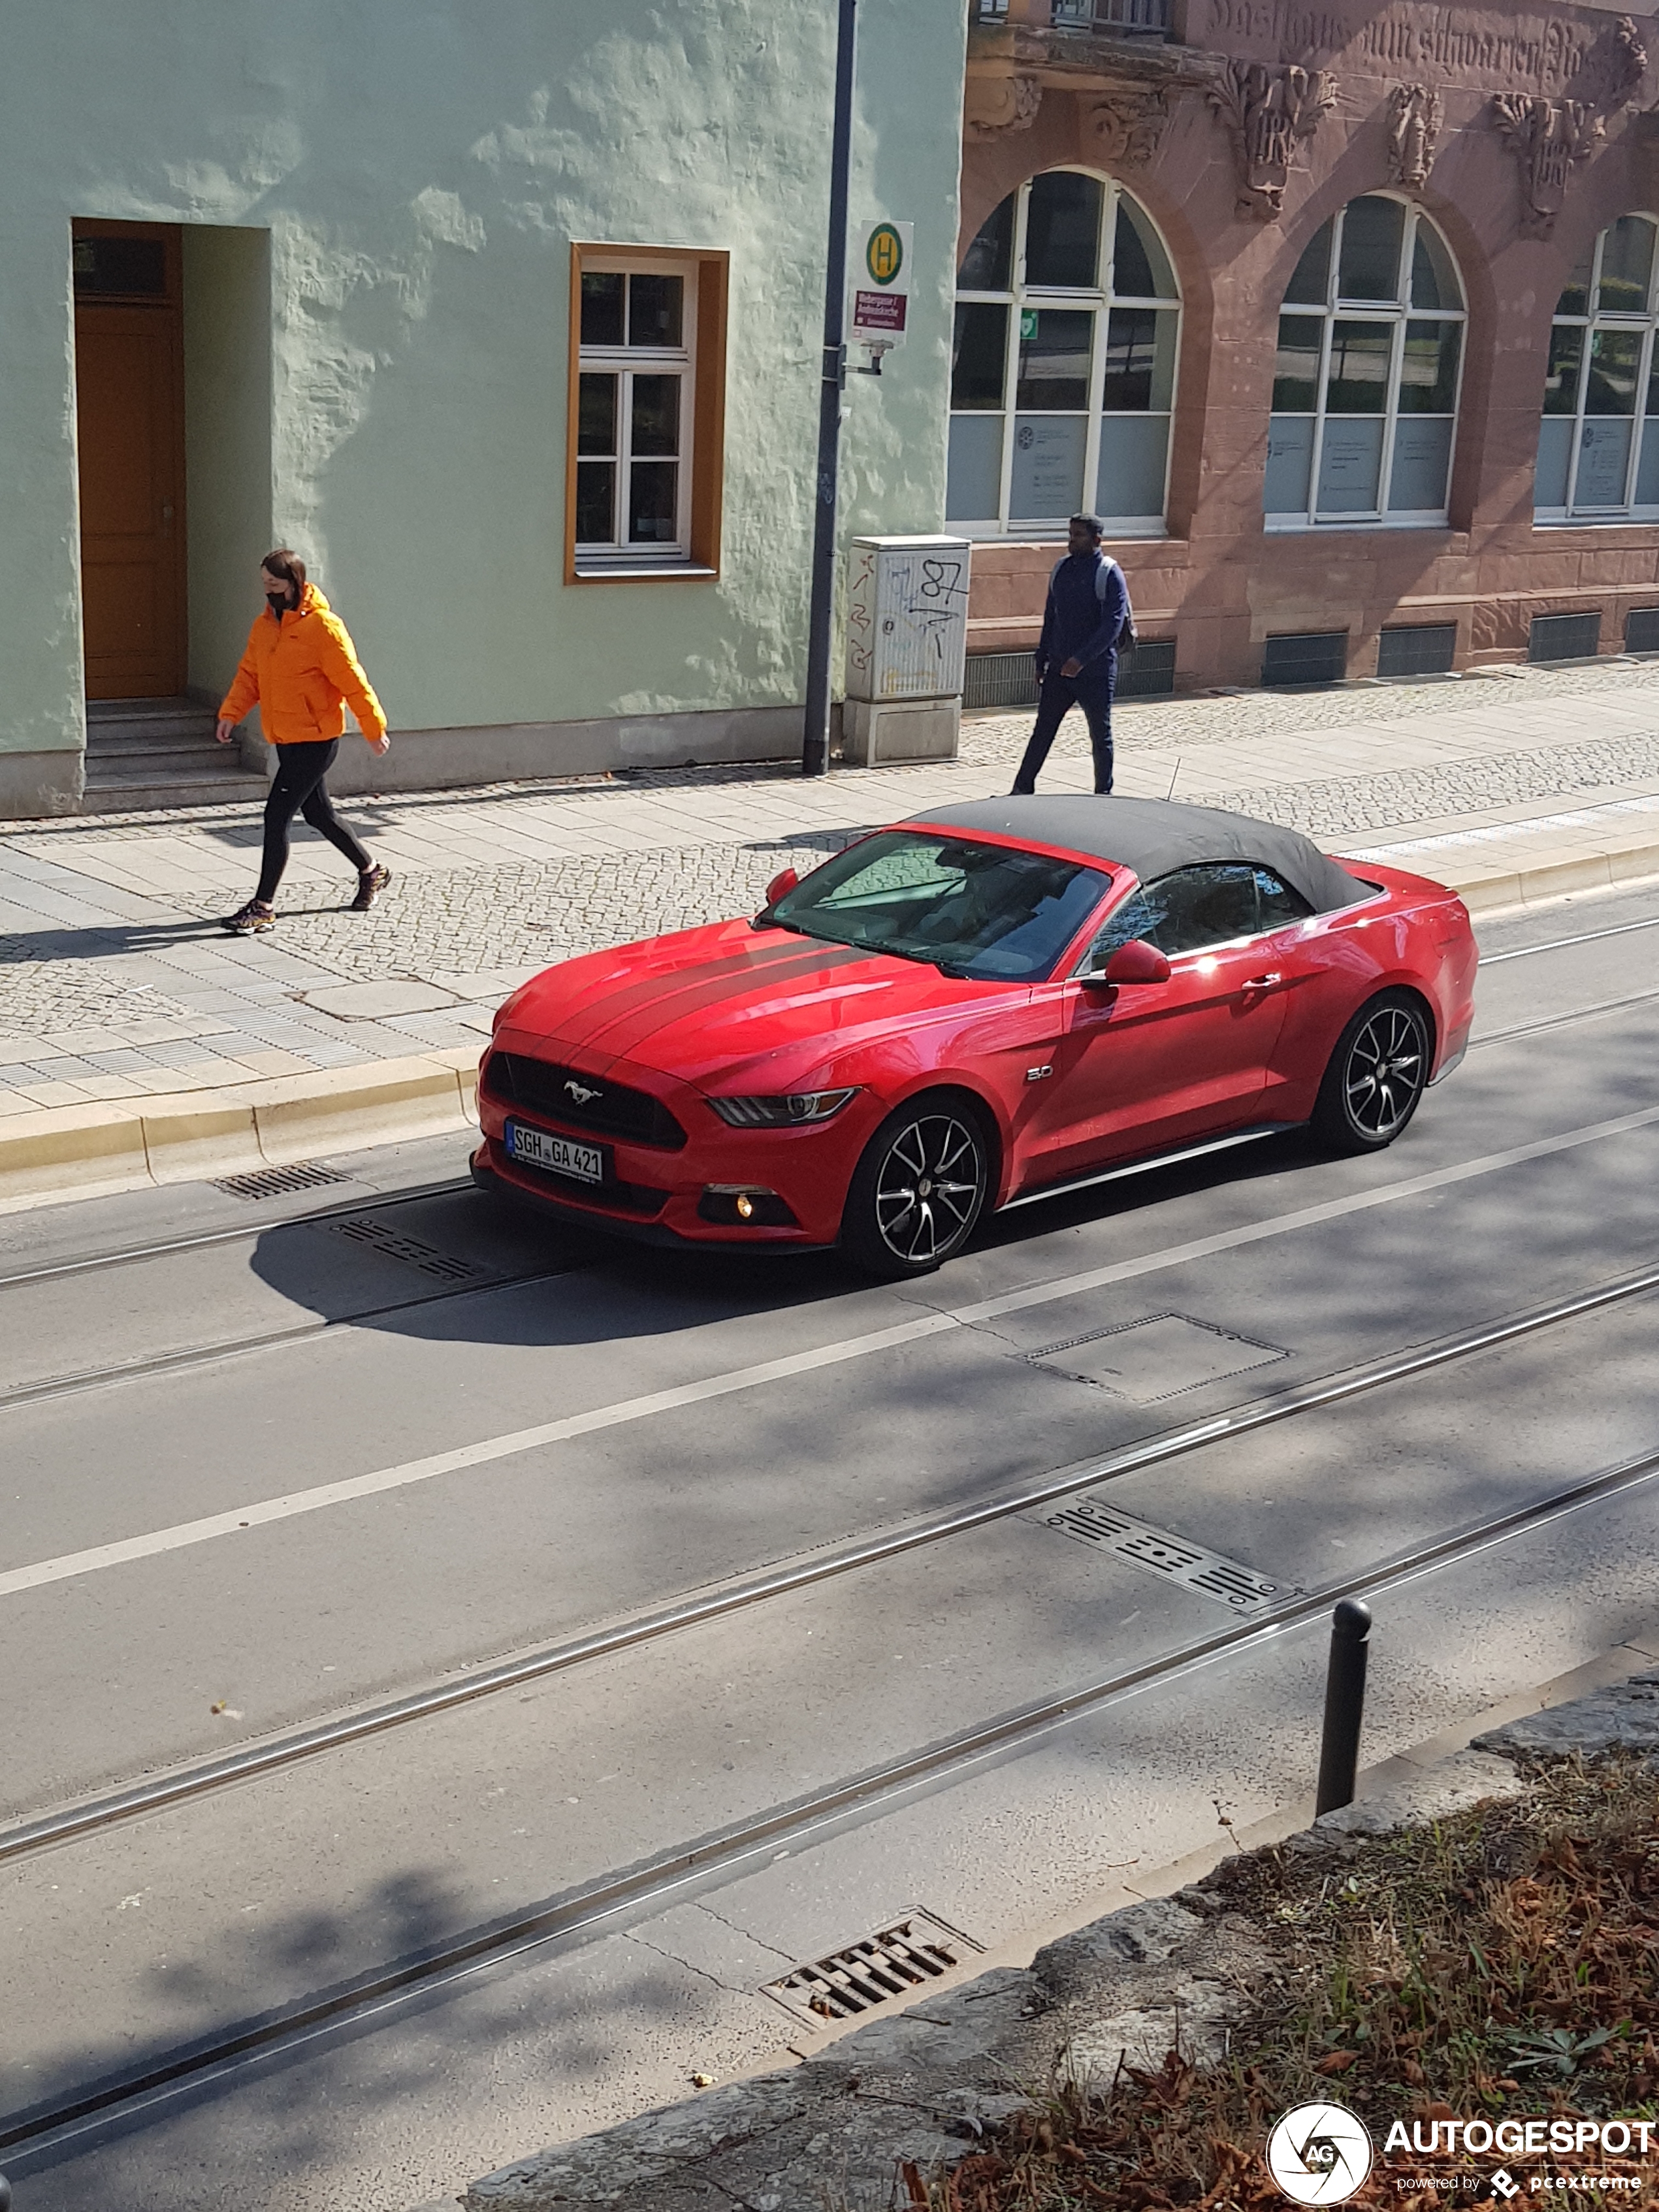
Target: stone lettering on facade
(1269, 112)
(999, 104)
(1130, 125)
(1534, 51)
(1416, 113)
(1547, 137)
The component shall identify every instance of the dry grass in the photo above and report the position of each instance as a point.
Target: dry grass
(1505, 1964)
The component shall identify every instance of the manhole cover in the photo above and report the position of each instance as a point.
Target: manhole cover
(382, 1236)
(894, 1962)
(272, 1182)
(1150, 1361)
(1172, 1559)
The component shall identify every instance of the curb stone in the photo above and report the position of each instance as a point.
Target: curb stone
(59, 1152)
(924, 2084)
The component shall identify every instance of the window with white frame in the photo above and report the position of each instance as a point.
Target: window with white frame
(1063, 368)
(1365, 384)
(1598, 442)
(634, 414)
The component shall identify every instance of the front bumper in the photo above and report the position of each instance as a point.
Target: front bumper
(654, 1192)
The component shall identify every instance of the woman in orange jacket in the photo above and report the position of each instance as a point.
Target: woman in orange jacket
(302, 669)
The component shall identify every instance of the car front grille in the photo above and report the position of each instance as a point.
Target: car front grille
(582, 1101)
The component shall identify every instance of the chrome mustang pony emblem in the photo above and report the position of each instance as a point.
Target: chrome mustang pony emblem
(580, 1091)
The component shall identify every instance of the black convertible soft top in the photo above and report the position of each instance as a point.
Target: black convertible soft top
(1155, 835)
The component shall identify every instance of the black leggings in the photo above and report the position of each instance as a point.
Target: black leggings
(297, 788)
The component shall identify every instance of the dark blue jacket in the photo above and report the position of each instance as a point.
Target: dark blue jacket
(1079, 622)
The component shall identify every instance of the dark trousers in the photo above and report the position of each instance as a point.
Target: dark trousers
(297, 788)
(1092, 691)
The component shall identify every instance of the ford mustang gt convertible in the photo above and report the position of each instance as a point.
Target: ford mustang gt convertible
(974, 1010)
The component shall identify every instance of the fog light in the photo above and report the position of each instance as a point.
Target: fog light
(747, 1205)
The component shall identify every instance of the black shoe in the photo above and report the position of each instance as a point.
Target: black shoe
(370, 882)
(1024, 791)
(249, 920)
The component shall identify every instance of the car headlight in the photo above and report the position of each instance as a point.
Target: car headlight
(787, 1112)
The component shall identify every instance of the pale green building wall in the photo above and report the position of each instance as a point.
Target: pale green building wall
(381, 201)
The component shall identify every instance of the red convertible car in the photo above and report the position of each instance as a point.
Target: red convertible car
(984, 1006)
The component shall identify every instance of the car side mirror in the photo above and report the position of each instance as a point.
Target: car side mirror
(1137, 961)
(780, 886)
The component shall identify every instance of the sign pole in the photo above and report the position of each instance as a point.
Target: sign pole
(814, 739)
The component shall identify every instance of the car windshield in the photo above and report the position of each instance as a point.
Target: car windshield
(986, 911)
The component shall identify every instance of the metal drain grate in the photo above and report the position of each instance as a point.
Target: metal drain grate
(382, 1236)
(894, 1962)
(1172, 1559)
(272, 1182)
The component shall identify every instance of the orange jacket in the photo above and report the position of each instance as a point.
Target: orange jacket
(302, 670)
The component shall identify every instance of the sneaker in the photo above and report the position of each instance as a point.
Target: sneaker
(249, 919)
(370, 883)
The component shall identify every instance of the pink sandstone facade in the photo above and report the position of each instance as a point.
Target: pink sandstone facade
(1522, 133)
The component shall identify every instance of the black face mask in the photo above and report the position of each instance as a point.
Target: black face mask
(277, 602)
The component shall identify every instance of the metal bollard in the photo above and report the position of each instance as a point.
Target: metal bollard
(1344, 1704)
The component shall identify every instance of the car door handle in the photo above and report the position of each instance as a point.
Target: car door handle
(1263, 982)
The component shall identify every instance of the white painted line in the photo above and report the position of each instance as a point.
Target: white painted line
(621, 1413)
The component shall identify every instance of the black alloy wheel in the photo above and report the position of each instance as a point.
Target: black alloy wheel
(1377, 1075)
(919, 1189)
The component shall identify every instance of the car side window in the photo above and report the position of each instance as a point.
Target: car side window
(1215, 903)
(1277, 905)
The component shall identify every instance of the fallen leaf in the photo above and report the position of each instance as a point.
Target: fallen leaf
(1335, 2061)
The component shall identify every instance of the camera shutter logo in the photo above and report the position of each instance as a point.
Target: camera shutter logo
(1320, 2154)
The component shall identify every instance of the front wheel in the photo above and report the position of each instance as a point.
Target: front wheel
(1377, 1075)
(918, 1190)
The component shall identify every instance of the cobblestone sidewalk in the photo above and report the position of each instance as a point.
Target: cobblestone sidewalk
(115, 981)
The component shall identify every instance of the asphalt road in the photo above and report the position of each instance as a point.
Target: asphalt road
(339, 1450)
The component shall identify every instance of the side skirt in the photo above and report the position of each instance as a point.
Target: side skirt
(1150, 1160)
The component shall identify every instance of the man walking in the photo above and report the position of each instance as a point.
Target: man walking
(1087, 613)
(302, 669)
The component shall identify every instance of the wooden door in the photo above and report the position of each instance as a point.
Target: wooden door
(129, 385)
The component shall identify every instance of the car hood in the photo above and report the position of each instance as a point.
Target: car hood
(707, 1004)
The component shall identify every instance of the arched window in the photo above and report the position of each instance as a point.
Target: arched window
(1598, 444)
(1371, 344)
(1062, 374)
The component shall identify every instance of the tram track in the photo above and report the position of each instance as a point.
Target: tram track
(73, 1821)
(651, 1885)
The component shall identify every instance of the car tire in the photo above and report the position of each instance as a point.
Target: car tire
(920, 1187)
(1377, 1077)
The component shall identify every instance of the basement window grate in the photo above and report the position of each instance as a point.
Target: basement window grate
(382, 1236)
(1642, 630)
(894, 1962)
(272, 1182)
(1172, 1559)
(1564, 637)
(1417, 649)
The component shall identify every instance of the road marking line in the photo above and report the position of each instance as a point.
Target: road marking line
(618, 1414)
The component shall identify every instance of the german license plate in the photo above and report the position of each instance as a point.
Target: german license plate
(561, 1155)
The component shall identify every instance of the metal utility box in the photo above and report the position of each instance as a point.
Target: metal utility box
(907, 641)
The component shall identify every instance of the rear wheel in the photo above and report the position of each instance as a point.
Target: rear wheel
(1377, 1075)
(919, 1189)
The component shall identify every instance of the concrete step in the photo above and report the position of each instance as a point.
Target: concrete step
(163, 758)
(108, 793)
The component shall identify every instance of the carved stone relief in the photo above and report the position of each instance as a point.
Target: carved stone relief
(1001, 104)
(1547, 137)
(1416, 113)
(1130, 125)
(1269, 110)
